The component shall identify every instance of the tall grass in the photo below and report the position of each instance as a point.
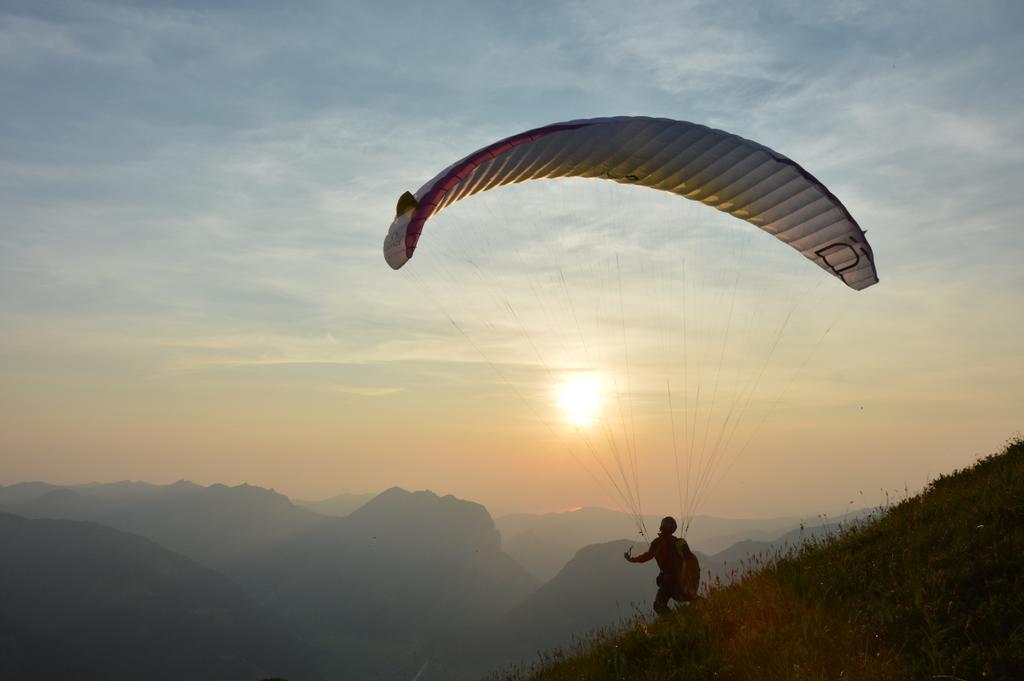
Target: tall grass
(931, 587)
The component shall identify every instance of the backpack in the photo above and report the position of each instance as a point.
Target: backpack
(689, 572)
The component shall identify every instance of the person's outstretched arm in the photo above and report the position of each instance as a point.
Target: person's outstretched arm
(643, 557)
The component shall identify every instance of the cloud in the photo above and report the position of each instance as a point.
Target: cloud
(361, 391)
(212, 183)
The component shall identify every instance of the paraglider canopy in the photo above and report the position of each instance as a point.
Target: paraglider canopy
(735, 175)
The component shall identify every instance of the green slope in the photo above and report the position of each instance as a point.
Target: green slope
(931, 588)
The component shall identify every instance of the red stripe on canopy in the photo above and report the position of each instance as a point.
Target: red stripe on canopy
(429, 202)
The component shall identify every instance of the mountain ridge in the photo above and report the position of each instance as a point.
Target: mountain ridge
(124, 607)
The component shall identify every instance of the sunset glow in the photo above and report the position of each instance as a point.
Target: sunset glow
(193, 284)
(580, 399)
(398, 340)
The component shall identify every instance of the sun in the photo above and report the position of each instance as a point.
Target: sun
(580, 399)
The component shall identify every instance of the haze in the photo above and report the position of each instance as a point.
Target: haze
(194, 198)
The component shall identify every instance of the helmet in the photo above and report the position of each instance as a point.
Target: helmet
(668, 525)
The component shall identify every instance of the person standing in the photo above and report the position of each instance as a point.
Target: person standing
(680, 570)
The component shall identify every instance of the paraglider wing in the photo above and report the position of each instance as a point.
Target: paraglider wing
(725, 171)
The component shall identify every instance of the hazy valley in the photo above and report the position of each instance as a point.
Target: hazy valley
(240, 582)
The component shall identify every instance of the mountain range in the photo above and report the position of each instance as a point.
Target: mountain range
(544, 542)
(404, 584)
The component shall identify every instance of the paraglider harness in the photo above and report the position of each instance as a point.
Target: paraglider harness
(687, 581)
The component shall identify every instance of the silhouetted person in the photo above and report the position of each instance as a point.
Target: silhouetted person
(680, 570)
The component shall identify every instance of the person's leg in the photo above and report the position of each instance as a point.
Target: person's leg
(661, 601)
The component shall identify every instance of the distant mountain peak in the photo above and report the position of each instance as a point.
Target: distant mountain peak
(402, 499)
(448, 520)
(246, 495)
(396, 490)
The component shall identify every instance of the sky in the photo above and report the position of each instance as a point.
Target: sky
(195, 195)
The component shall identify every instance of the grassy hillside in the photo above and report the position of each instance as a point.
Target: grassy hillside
(931, 588)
